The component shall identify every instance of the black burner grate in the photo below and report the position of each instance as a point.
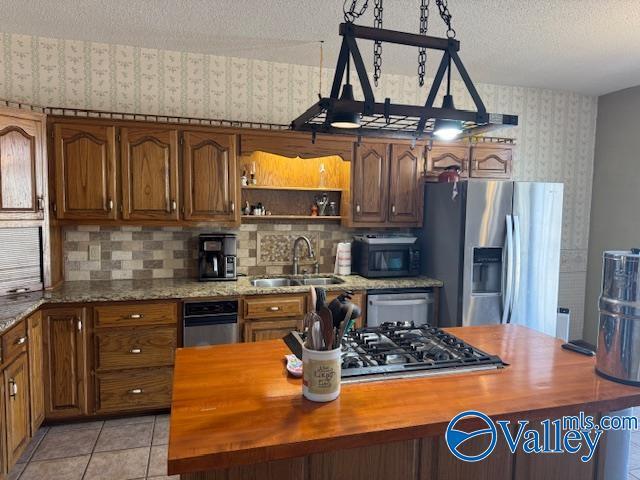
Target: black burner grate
(398, 348)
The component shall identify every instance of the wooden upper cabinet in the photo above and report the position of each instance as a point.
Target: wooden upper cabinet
(370, 177)
(85, 172)
(16, 388)
(443, 155)
(21, 165)
(210, 175)
(491, 160)
(405, 199)
(149, 174)
(65, 362)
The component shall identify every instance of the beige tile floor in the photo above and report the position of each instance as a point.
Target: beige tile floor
(121, 449)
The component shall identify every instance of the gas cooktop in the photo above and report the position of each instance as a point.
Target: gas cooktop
(402, 349)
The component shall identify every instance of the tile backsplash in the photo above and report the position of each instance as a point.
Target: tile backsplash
(171, 252)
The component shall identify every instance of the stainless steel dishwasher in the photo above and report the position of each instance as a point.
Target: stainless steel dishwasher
(210, 323)
(400, 305)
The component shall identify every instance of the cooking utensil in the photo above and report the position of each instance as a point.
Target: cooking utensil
(314, 299)
(339, 307)
(316, 336)
(322, 298)
(346, 323)
(326, 324)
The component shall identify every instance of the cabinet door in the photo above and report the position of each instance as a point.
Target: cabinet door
(36, 372)
(258, 330)
(370, 177)
(210, 177)
(85, 172)
(149, 174)
(443, 155)
(404, 190)
(16, 387)
(491, 160)
(21, 167)
(65, 362)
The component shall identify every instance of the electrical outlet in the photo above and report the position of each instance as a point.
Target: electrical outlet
(94, 252)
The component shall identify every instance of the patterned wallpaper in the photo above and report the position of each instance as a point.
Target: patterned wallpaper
(555, 136)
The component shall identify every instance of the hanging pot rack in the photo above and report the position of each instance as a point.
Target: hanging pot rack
(389, 119)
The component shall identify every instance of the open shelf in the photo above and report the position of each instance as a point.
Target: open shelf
(294, 189)
(317, 218)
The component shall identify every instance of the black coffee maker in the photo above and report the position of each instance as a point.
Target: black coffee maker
(216, 257)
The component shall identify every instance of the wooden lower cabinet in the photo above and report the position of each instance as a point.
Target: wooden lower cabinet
(138, 389)
(269, 317)
(132, 348)
(65, 344)
(134, 345)
(16, 399)
(272, 329)
(425, 458)
(36, 371)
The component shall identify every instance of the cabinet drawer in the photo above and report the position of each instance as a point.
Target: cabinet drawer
(133, 314)
(274, 306)
(14, 341)
(134, 389)
(135, 347)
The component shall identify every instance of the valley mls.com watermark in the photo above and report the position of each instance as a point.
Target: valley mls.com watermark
(568, 434)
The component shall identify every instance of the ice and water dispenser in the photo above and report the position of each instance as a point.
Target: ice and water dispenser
(487, 271)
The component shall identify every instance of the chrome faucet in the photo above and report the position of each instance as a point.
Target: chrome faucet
(296, 258)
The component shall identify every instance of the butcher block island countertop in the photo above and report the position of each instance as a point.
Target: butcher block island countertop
(237, 414)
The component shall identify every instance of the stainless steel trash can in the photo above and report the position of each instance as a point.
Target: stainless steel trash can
(618, 352)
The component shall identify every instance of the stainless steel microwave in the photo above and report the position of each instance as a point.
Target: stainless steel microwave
(375, 256)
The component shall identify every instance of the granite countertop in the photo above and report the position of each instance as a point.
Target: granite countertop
(16, 307)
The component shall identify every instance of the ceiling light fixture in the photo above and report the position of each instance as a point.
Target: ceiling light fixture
(444, 128)
(341, 112)
(342, 118)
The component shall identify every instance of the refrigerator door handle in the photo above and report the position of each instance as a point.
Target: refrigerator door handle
(508, 280)
(517, 247)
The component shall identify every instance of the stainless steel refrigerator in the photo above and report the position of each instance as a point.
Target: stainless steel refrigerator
(496, 247)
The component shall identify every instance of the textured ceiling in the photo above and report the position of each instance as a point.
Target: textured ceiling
(588, 46)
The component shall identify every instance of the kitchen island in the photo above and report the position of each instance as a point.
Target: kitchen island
(237, 414)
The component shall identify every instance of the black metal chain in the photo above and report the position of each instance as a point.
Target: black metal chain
(446, 17)
(377, 45)
(352, 11)
(422, 52)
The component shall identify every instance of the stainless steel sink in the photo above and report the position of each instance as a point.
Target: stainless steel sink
(318, 281)
(274, 282)
(295, 282)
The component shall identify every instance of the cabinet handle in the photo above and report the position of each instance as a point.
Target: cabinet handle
(21, 341)
(40, 202)
(135, 316)
(79, 325)
(136, 391)
(233, 207)
(274, 309)
(13, 388)
(135, 350)
(174, 205)
(393, 209)
(357, 208)
(18, 290)
(110, 205)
